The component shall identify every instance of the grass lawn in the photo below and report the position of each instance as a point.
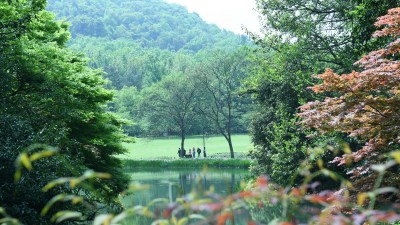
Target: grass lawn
(167, 147)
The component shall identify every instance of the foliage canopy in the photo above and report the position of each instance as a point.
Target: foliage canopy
(49, 95)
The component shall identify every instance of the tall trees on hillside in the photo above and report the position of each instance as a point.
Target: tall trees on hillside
(219, 81)
(149, 23)
(49, 95)
(126, 63)
(126, 104)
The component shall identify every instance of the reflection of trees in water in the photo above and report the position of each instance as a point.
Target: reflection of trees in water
(174, 184)
(232, 184)
(188, 181)
(201, 183)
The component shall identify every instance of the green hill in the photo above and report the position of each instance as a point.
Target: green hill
(149, 23)
(137, 42)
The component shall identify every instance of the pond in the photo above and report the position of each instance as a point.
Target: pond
(172, 184)
(176, 183)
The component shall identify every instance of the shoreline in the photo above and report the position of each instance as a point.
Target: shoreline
(186, 163)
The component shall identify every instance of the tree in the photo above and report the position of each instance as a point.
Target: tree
(49, 95)
(307, 36)
(336, 32)
(367, 102)
(170, 103)
(219, 80)
(126, 104)
(285, 148)
(277, 85)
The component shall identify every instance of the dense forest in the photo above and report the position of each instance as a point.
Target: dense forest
(318, 92)
(151, 24)
(137, 42)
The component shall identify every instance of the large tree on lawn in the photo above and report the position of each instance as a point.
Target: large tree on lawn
(169, 105)
(219, 80)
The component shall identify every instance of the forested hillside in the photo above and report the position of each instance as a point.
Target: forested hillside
(136, 42)
(150, 23)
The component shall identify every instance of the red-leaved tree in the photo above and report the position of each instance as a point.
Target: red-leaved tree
(369, 102)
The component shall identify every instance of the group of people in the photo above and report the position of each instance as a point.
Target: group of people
(191, 153)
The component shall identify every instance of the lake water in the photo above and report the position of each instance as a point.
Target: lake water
(171, 184)
(176, 183)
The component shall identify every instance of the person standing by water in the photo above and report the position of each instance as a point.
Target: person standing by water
(198, 152)
(180, 153)
(194, 153)
(190, 152)
(204, 152)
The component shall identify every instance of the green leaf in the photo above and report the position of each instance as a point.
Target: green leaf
(160, 222)
(102, 175)
(102, 219)
(50, 203)
(65, 215)
(119, 218)
(396, 156)
(42, 154)
(61, 197)
(17, 175)
(138, 187)
(55, 182)
(197, 216)
(183, 221)
(24, 159)
(74, 182)
(157, 200)
(9, 221)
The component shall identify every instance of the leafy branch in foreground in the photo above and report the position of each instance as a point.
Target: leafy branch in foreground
(207, 207)
(7, 219)
(25, 160)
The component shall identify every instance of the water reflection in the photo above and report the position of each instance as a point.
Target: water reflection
(176, 183)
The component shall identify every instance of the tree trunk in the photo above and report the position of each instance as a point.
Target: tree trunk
(182, 143)
(229, 139)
